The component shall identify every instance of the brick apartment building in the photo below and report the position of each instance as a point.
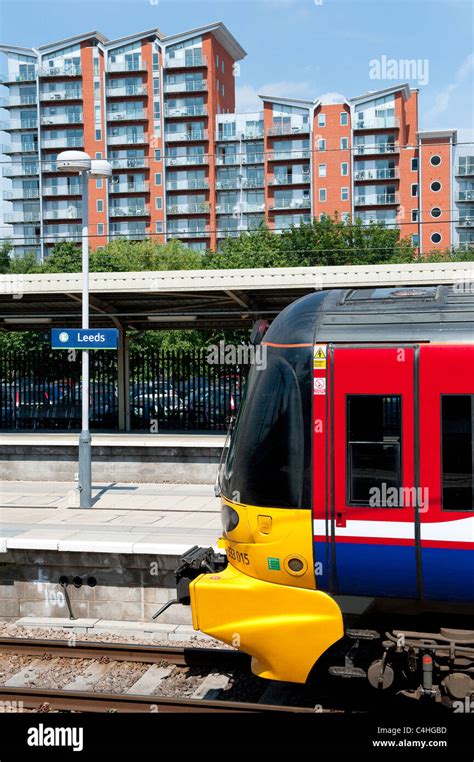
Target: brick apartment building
(161, 109)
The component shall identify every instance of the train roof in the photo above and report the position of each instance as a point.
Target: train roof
(386, 314)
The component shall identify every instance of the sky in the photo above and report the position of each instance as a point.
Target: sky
(297, 48)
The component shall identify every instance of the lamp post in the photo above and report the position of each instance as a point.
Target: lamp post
(81, 162)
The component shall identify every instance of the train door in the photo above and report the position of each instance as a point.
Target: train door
(446, 471)
(371, 499)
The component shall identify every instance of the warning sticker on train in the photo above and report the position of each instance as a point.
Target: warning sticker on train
(320, 354)
(320, 386)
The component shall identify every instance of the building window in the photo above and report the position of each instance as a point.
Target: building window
(435, 212)
(218, 87)
(217, 62)
(414, 165)
(435, 160)
(98, 184)
(415, 239)
(157, 178)
(159, 226)
(222, 90)
(158, 202)
(100, 228)
(435, 237)
(345, 194)
(156, 62)
(457, 450)
(222, 67)
(99, 205)
(345, 217)
(414, 215)
(321, 120)
(344, 168)
(321, 144)
(436, 186)
(322, 194)
(344, 118)
(322, 170)
(98, 155)
(98, 134)
(374, 434)
(157, 154)
(344, 144)
(414, 190)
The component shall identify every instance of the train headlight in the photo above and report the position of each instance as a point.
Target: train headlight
(229, 518)
(295, 565)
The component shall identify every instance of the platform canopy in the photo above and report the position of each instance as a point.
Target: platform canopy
(194, 298)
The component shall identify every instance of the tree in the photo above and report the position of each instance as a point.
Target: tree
(5, 251)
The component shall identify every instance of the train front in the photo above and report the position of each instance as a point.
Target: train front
(265, 602)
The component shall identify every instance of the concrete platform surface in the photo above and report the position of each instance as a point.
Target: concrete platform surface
(163, 519)
(114, 439)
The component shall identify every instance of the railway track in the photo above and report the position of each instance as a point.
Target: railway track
(166, 659)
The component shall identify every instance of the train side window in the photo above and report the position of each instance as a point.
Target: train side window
(457, 451)
(374, 425)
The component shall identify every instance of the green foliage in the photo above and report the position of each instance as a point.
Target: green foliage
(5, 250)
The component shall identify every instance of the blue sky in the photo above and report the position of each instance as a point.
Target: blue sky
(299, 48)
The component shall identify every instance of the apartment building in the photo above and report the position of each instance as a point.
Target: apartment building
(161, 109)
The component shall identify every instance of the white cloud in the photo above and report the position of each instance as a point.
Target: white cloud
(443, 98)
(328, 99)
(247, 99)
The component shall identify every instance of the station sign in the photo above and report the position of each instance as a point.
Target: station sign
(84, 338)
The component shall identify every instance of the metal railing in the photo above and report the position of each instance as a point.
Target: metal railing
(22, 217)
(66, 213)
(69, 94)
(183, 161)
(126, 90)
(290, 203)
(137, 162)
(185, 62)
(186, 232)
(378, 199)
(19, 193)
(290, 179)
(18, 100)
(185, 87)
(127, 116)
(20, 170)
(288, 155)
(379, 123)
(74, 189)
(465, 171)
(140, 210)
(63, 142)
(20, 124)
(126, 66)
(125, 139)
(288, 129)
(143, 187)
(198, 208)
(376, 148)
(376, 174)
(465, 195)
(66, 70)
(178, 111)
(62, 119)
(179, 137)
(177, 185)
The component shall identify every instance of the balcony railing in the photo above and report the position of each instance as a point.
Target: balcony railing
(465, 195)
(178, 111)
(288, 155)
(290, 179)
(376, 148)
(199, 208)
(66, 70)
(229, 184)
(72, 94)
(18, 100)
(234, 233)
(19, 148)
(288, 129)
(74, 233)
(466, 222)
(186, 161)
(20, 170)
(126, 90)
(465, 171)
(13, 79)
(240, 158)
(20, 193)
(22, 217)
(28, 241)
(243, 207)
(140, 210)
(180, 137)
(20, 124)
(377, 199)
(185, 62)
(128, 116)
(63, 142)
(124, 66)
(177, 185)
(137, 162)
(236, 136)
(74, 189)
(125, 139)
(290, 203)
(143, 187)
(65, 213)
(61, 119)
(188, 232)
(376, 174)
(186, 87)
(380, 123)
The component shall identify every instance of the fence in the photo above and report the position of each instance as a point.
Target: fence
(168, 390)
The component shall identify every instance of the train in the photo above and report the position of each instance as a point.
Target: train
(347, 496)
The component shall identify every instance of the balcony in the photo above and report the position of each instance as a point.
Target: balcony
(129, 235)
(66, 213)
(19, 148)
(20, 170)
(174, 112)
(302, 179)
(289, 203)
(185, 87)
(200, 208)
(222, 137)
(376, 148)
(381, 123)
(376, 174)
(288, 129)
(61, 119)
(465, 171)
(187, 161)
(181, 137)
(118, 67)
(229, 233)
(66, 70)
(29, 241)
(74, 189)
(18, 100)
(253, 182)
(139, 210)
(138, 115)
(52, 235)
(465, 195)
(14, 79)
(126, 91)
(466, 222)
(186, 232)
(63, 143)
(124, 139)
(20, 124)
(185, 62)
(12, 217)
(143, 187)
(137, 162)
(229, 184)
(288, 155)
(240, 207)
(20, 193)
(178, 185)
(70, 94)
(378, 199)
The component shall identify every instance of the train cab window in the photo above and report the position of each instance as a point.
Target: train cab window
(374, 425)
(457, 413)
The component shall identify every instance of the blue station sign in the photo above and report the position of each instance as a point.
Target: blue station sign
(84, 338)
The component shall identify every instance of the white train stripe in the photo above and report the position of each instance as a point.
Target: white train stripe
(459, 530)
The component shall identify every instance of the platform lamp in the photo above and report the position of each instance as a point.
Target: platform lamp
(89, 169)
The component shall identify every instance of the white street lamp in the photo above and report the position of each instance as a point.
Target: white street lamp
(81, 162)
